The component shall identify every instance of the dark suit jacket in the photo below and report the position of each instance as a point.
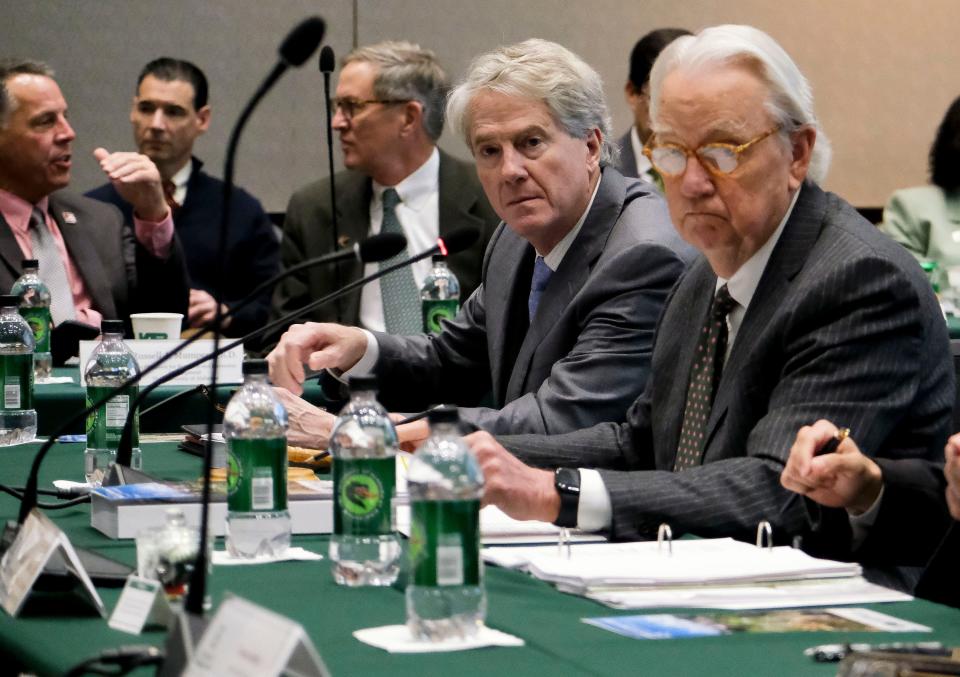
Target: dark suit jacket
(121, 276)
(587, 353)
(253, 253)
(627, 164)
(843, 326)
(308, 225)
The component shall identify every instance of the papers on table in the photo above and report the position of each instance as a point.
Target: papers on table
(706, 573)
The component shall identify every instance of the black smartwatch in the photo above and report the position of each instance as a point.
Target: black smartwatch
(567, 483)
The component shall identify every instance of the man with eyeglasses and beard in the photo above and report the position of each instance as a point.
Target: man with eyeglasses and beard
(389, 116)
(799, 309)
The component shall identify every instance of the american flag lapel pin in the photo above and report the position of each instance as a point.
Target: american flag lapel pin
(69, 217)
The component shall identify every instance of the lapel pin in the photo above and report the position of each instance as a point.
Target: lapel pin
(69, 217)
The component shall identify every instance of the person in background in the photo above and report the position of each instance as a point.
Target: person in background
(637, 92)
(902, 512)
(170, 112)
(96, 265)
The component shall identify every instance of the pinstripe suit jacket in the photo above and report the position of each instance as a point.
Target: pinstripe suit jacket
(843, 326)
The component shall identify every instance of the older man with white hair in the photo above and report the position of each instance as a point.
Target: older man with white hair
(799, 309)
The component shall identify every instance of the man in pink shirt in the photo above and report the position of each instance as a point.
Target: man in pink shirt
(96, 265)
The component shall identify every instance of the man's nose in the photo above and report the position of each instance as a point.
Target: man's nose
(340, 121)
(513, 165)
(696, 181)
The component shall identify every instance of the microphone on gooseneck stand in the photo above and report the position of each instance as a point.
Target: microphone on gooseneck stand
(327, 64)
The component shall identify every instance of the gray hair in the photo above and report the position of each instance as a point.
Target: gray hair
(13, 67)
(543, 71)
(790, 96)
(407, 72)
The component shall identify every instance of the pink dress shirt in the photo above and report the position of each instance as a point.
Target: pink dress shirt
(155, 236)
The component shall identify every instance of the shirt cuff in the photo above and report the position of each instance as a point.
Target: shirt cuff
(594, 512)
(366, 363)
(155, 236)
(860, 525)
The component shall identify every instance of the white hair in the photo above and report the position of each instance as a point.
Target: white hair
(790, 96)
(543, 71)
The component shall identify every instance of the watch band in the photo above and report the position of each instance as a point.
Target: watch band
(567, 483)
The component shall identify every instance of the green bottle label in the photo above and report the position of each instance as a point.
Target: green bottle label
(434, 311)
(445, 542)
(363, 490)
(105, 423)
(17, 374)
(39, 320)
(257, 475)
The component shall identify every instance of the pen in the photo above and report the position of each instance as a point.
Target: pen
(832, 653)
(833, 442)
(417, 417)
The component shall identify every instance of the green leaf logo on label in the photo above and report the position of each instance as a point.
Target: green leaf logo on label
(361, 494)
(234, 471)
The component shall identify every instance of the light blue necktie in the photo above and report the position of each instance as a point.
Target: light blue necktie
(541, 278)
(398, 290)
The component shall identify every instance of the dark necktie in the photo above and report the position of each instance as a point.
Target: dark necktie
(169, 190)
(541, 277)
(53, 272)
(398, 290)
(704, 377)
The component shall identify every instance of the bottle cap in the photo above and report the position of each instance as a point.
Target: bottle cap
(438, 257)
(7, 300)
(111, 326)
(446, 413)
(365, 382)
(30, 263)
(255, 367)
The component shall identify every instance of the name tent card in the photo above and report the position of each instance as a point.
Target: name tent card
(246, 639)
(229, 364)
(38, 543)
(142, 602)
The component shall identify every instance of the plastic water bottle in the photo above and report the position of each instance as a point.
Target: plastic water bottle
(445, 597)
(35, 309)
(439, 296)
(18, 419)
(255, 428)
(364, 548)
(110, 365)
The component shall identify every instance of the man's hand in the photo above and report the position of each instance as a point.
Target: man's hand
(310, 426)
(137, 180)
(522, 492)
(411, 435)
(202, 309)
(320, 346)
(844, 479)
(952, 470)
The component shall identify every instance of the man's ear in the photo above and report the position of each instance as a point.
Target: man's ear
(801, 144)
(412, 116)
(204, 118)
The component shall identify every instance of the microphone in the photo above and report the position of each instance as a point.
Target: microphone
(327, 64)
(302, 41)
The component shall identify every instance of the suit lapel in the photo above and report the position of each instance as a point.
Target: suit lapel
(454, 208)
(505, 290)
(573, 272)
(10, 250)
(83, 254)
(787, 259)
(353, 225)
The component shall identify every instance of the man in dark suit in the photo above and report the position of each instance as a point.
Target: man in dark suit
(96, 265)
(573, 281)
(389, 115)
(169, 113)
(799, 308)
(637, 93)
(902, 511)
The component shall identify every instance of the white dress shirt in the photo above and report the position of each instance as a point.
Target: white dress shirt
(644, 167)
(180, 181)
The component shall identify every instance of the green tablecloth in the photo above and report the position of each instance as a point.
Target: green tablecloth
(58, 402)
(557, 643)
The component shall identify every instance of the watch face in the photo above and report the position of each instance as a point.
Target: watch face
(567, 481)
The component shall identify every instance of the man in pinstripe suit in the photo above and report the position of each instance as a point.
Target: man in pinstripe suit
(826, 317)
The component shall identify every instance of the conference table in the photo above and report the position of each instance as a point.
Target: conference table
(557, 642)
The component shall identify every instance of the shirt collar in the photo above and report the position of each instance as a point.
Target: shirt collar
(643, 162)
(556, 254)
(743, 283)
(181, 178)
(17, 211)
(418, 186)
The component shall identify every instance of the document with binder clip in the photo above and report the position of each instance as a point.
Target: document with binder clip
(719, 573)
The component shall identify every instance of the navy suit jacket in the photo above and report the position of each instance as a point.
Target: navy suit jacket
(253, 252)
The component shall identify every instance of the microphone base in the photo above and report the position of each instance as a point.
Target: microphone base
(121, 474)
(181, 643)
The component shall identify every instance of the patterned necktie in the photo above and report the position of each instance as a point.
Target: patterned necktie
(704, 377)
(169, 190)
(541, 277)
(401, 298)
(53, 272)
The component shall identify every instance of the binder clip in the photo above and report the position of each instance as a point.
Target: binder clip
(765, 530)
(664, 533)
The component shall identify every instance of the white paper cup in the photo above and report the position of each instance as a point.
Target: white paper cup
(159, 326)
